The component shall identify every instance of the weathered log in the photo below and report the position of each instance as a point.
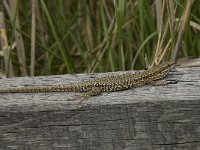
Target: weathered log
(144, 118)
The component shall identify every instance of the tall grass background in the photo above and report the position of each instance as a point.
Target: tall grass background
(70, 36)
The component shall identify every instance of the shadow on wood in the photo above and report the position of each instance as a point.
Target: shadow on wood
(144, 118)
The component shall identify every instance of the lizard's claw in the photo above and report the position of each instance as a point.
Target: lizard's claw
(83, 97)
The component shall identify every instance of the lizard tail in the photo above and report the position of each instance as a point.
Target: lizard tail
(43, 88)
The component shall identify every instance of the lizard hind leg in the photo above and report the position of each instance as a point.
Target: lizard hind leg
(93, 92)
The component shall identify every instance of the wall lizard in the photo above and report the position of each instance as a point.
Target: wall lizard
(97, 86)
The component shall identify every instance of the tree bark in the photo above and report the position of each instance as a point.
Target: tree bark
(143, 118)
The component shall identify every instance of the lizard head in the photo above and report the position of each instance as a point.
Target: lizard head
(161, 70)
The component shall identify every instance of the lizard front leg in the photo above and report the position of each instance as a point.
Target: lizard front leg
(162, 82)
(93, 92)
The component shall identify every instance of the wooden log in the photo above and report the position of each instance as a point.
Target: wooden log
(144, 118)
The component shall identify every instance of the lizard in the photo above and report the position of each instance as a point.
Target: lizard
(94, 87)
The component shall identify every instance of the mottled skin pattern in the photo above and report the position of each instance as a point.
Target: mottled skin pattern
(105, 84)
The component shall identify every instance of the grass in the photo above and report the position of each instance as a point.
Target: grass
(96, 36)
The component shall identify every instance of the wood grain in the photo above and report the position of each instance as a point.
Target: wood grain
(144, 118)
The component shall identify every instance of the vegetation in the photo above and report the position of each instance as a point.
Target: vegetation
(58, 36)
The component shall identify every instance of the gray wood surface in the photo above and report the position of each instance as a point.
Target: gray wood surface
(145, 118)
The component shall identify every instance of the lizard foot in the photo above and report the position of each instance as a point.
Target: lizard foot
(93, 92)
